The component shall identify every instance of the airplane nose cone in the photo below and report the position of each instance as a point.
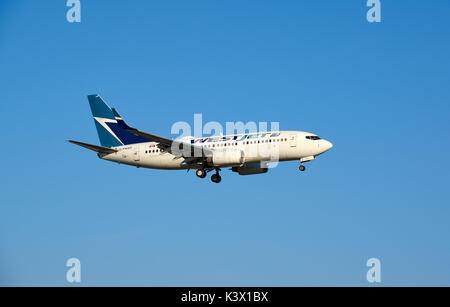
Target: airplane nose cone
(326, 145)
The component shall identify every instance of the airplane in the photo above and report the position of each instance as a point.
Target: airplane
(245, 154)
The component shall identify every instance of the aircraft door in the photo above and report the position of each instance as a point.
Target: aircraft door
(136, 153)
(293, 140)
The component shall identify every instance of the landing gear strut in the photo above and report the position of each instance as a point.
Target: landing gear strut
(216, 177)
(201, 173)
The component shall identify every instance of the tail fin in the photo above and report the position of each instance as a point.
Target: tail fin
(109, 131)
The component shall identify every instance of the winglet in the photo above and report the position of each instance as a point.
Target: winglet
(116, 114)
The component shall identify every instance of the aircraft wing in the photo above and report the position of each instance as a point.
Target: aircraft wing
(96, 148)
(176, 147)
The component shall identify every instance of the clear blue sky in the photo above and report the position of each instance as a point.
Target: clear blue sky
(379, 92)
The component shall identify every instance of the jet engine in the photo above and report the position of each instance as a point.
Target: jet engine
(250, 169)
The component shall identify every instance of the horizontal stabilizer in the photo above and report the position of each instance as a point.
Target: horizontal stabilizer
(95, 148)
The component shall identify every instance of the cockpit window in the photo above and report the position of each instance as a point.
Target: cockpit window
(313, 137)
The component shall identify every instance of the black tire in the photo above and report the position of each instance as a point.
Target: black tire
(302, 168)
(200, 173)
(216, 178)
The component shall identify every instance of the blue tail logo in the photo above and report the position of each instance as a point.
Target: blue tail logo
(108, 129)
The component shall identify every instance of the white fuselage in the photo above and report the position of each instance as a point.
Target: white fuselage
(255, 147)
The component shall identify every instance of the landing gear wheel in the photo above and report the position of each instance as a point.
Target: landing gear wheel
(216, 178)
(201, 173)
(302, 168)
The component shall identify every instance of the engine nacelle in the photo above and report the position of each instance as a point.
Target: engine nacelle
(250, 169)
(232, 157)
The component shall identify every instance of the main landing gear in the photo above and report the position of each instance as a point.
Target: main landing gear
(201, 173)
(302, 168)
(216, 178)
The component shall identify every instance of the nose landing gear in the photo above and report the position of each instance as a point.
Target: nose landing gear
(302, 168)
